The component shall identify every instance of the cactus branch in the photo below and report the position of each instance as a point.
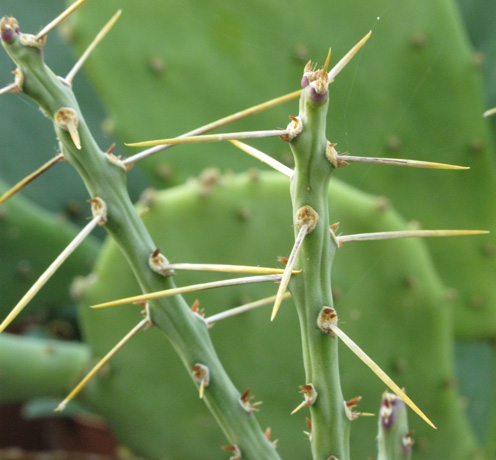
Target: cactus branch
(312, 288)
(268, 160)
(394, 439)
(100, 36)
(106, 178)
(31, 177)
(217, 124)
(187, 289)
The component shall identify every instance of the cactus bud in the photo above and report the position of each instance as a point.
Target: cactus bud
(394, 439)
(9, 27)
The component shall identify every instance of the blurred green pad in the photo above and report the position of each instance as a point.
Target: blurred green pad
(479, 17)
(30, 240)
(388, 295)
(414, 91)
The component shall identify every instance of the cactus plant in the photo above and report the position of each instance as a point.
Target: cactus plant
(395, 440)
(99, 170)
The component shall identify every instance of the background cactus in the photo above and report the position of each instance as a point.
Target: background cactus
(420, 126)
(259, 349)
(395, 440)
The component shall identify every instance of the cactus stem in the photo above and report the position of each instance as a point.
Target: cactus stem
(99, 37)
(66, 118)
(60, 18)
(201, 375)
(24, 182)
(51, 270)
(243, 308)
(144, 323)
(404, 234)
(310, 395)
(268, 160)
(379, 372)
(191, 288)
(398, 162)
(217, 124)
(211, 138)
(347, 58)
(490, 112)
(228, 268)
(289, 269)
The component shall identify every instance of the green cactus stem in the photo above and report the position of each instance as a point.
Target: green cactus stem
(105, 178)
(311, 289)
(394, 439)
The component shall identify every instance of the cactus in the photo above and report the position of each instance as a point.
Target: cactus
(236, 205)
(104, 176)
(395, 440)
(397, 107)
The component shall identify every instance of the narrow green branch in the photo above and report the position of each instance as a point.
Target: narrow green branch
(105, 178)
(311, 289)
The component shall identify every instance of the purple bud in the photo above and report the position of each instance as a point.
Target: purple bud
(304, 82)
(7, 35)
(9, 27)
(318, 97)
(390, 406)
